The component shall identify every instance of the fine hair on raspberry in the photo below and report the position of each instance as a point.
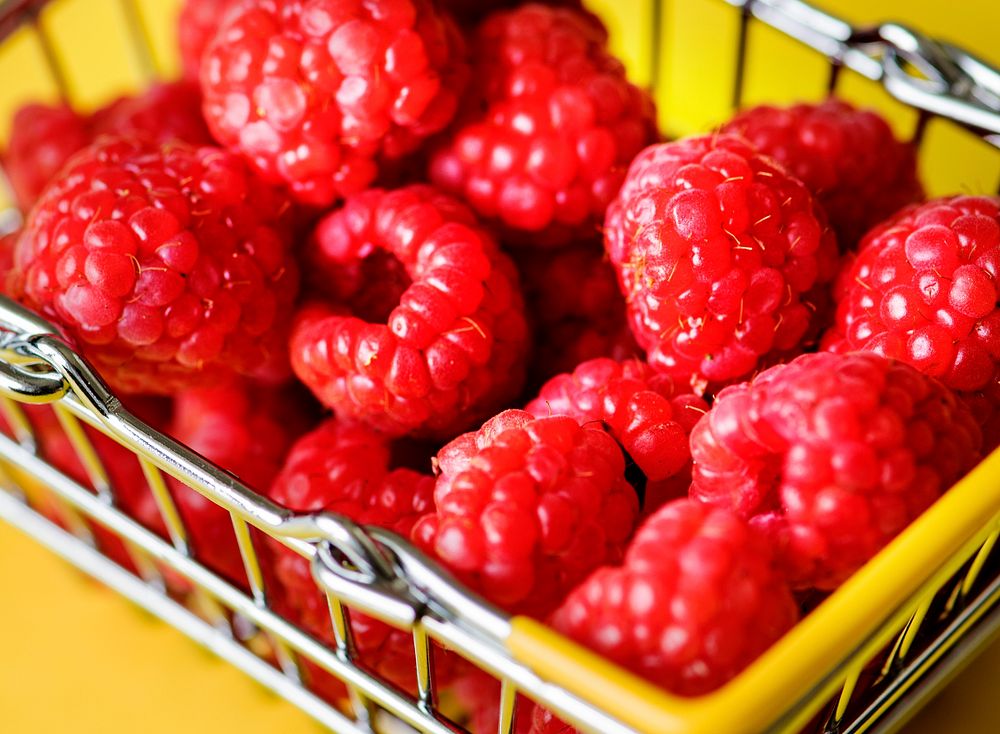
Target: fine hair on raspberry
(719, 253)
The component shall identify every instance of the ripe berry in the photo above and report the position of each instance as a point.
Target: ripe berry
(315, 95)
(922, 289)
(169, 265)
(164, 112)
(642, 410)
(848, 158)
(696, 600)
(832, 456)
(197, 23)
(544, 137)
(527, 507)
(448, 350)
(344, 468)
(470, 12)
(718, 251)
(42, 139)
(246, 429)
(576, 309)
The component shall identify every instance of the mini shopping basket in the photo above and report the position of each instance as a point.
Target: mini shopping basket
(867, 656)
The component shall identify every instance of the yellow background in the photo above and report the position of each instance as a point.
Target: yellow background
(73, 657)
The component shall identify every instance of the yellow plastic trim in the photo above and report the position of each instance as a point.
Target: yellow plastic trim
(784, 688)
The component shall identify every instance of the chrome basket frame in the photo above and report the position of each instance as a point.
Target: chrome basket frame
(372, 570)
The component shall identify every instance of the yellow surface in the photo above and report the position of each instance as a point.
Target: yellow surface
(76, 658)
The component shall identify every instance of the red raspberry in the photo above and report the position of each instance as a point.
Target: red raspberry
(197, 23)
(642, 410)
(832, 455)
(470, 12)
(42, 139)
(578, 313)
(847, 157)
(453, 347)
(247, 430)
(315, 94)
(696, 600)
(546, 133)
(165, 112)
(168, 264)
(342, 467)
(717, 251)
(527, 507)
(922, 289)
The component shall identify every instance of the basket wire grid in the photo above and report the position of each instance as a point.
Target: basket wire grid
(877, 669)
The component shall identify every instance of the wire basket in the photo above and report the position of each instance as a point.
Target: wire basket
(865, 658)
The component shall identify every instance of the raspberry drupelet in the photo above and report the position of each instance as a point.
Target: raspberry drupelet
(169, 265)
(847, 157)
(343, 467)
(832, 456)
(643, 410)
(697, 599)
(527, 507)
(316, 94)
(720, 254)
(42, 139)
(923, 289)
(446, 352)
(543, 139)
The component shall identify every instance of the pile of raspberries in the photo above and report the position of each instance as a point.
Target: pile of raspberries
(430, 265)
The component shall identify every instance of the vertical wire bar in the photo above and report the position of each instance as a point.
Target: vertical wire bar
(98, 476)
(846, 692)
(507, 707)
(742, 43)
(980, 560)
(423, 656)
(913, 628)
(251, 564)
(19, 423)
(287, 660)
(51, 59)
(140, 38)
(363, 707)
(831, 81)
(166, 505)
(920, 129)
(655, 45)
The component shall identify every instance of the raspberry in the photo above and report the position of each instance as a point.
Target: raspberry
(42, 138)
(197, 23)
(848, 158)
(165, 112)
(452, 347)
(527, 507)
(470, 12)
(546, 133)
(642, 410)
(315, 95)
(717, 252)
(922, 289)
(245, 429)
(169, 265)
(696, 600)
(343, 467)
(832, 456)
(578, 313)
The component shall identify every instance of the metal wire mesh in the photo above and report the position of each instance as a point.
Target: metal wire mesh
(373, 571)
